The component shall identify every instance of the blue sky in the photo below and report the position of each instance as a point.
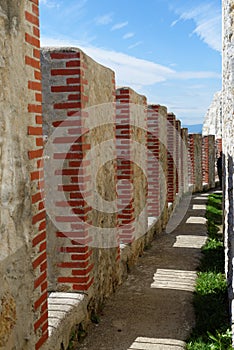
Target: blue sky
(168, 50)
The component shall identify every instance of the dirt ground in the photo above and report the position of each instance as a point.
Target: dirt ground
(139, 316)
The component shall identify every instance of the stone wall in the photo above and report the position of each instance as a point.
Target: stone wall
(195, 160)
(23, 318)
(228, 135)
(213, 119)
(209, 161)
(106, 195)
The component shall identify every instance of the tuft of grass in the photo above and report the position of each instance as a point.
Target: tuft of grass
(210, 298)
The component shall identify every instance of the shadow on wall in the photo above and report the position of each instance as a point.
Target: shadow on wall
(228, 222)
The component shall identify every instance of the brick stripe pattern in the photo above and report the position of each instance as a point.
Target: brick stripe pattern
(218, 143)
(184, 159)
(178, 156)
(125, 217)
(153, 146)
(191, 159)
(205, 159)
(171, 158)
(69, 85)
(32, 62)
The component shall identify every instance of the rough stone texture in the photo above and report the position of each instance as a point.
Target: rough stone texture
(163, 163)
(195, 159)
(228, 135)
(97, 83)
(212, 161)
(186, 163)
(16, 289)
(138, 121)
(213, 120)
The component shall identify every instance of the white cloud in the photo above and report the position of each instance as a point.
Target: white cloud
(104, 20)
(208, 19)
(128, 35)
(131, 70)
(50, 3)
(135, 45)
(118, 26)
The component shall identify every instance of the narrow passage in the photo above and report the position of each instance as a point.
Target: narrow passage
(153, 310)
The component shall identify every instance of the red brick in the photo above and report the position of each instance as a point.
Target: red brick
(82, 272)
(40, 280)
(33, 85)
(39, 260)
(44, 286)
(41, 320)
(42, 226)
(45, 336)
(73, 88)
(40, 301)
(83, 286)
(36, 175)
(38, 217)
(44, 307)
(32, 62)
(39, 142)
(32, 130)
(35, 154)
(43, 247)
(38, 119)
(32, 18)
(36, 2)
(39, 238)
(75, 63)
(37, 76)
(38, 97)
(73, 265)
(73, 81)
(65, 72)
(65, 55)
(32, 40)
(44, 327)
(35, 10)
(43, 266)
(73, 279)
(66, 105)
(33, 108)
(36, 197)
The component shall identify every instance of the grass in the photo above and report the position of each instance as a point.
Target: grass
(211, 331)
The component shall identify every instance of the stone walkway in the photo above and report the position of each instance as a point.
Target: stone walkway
(153, 309)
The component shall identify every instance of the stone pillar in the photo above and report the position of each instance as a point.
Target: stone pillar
(23, 259)
(153, 161)
(178, 156)
(171, 157)
(195, 160)
(184, 160)
(131, 139)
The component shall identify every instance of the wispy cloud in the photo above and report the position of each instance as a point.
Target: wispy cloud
(128, 35)
(104, 19)
(131, 70)
(207, 18)
(135, 45)
(118, 26)
(50, 3)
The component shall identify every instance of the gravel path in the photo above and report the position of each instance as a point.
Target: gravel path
(153, 310)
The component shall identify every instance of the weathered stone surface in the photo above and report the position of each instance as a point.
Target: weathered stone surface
(213, 119)
(228, 135)
(16, 288)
